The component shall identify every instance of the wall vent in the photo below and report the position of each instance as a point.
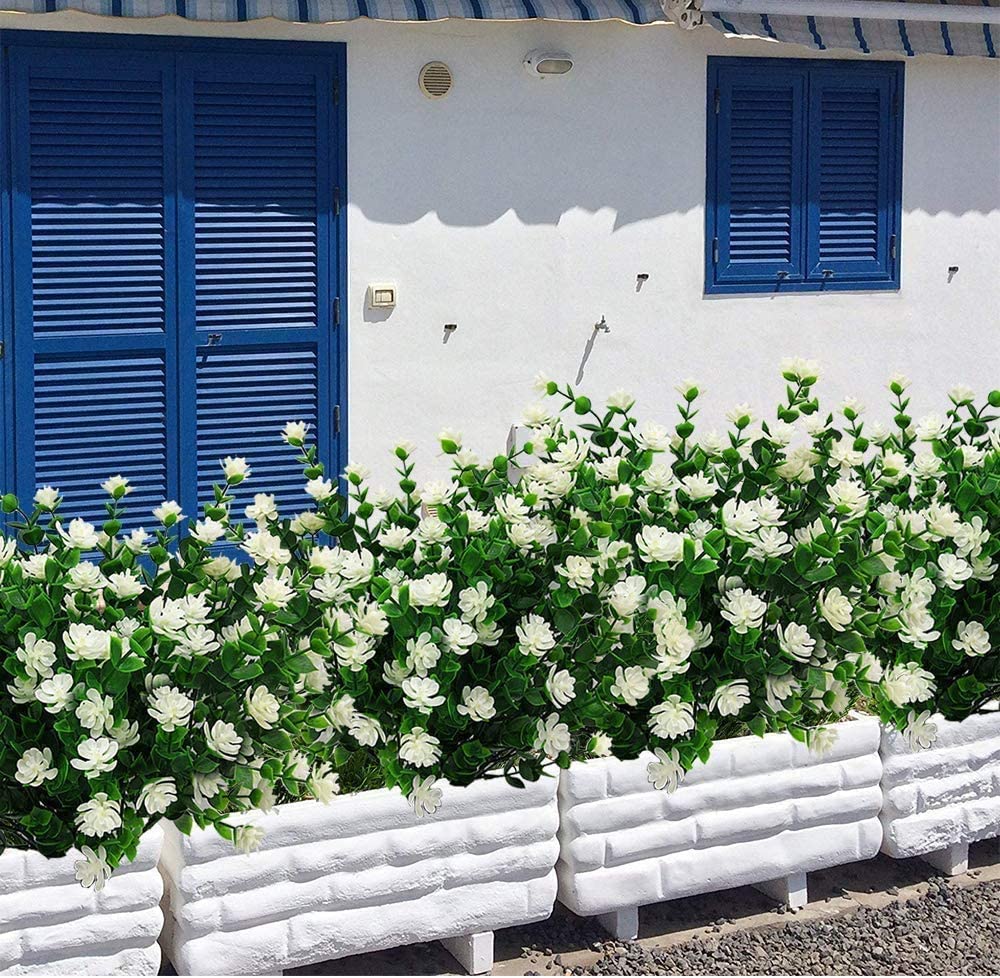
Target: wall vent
(435, 79)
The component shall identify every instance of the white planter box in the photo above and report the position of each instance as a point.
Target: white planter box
(363, 874)
(761, 811)
(50, 924)
(937, 801)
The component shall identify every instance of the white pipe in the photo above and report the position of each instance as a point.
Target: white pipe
(952, 13)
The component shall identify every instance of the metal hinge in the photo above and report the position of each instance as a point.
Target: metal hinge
(336, 201)
(336, 419)
(892, 247)
(718, 101)
(336, 311)
(715, 251)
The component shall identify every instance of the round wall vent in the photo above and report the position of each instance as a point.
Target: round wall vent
(435, 79)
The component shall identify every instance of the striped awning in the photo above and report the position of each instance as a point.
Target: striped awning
(325, 11)
(906, 35)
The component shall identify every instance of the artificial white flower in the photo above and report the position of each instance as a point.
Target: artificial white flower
(419, 748)
(657, 545)
(170, 708)
(273, 593)
(796, 641)
(848, 498)
(425, 796)
(459, 636)
(578, 573)
(971, 638)
(432, 591)
(836, 608)
(666, 772)
(953, 571)
(168, 513)
(320, 489)
(34, 767)
(85, 642)
(631, 684)
(94, 711)
(248, 838)
(56, 693)
(920, 731)
(730, 698)
(552, 737)
(98, 755)
(477, 704)
(535, 636)
(263, 707)
(475, 602)
(222, 739)
(365, 730)
(116, 487)
(80, 534)
(93, 870)
(671, 718)
(157, 796)
(908, 682)
(421, 694)
(38, 656)
(821, 740)
(235, 469)
(560, 685)
(743, 609)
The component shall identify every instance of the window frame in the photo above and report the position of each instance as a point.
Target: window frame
(800, 282)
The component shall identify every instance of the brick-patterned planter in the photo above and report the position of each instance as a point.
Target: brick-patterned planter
(51, 925)
(363, 874)
(761, 811)
(936, 801)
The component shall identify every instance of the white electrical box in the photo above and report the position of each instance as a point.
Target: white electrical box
(381, 295)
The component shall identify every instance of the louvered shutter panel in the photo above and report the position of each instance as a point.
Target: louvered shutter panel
(754, 208)
(852, 168)
(257, 196)
(92, 262)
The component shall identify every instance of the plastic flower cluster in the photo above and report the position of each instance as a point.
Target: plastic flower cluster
(604, 587)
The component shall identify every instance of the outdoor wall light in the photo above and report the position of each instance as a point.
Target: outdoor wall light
(545, 64)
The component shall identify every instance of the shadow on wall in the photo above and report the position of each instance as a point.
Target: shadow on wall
(624, 130)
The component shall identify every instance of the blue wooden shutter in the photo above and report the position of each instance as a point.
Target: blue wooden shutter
(92, 214)
(257, 265)
(853, 173)
(756, 175)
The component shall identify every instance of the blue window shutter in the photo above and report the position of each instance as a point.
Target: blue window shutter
(756, 175)
(257, 266)
(92, 220)
(853, 173)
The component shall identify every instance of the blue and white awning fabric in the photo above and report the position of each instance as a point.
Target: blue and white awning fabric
(902, 35)
(325, 11)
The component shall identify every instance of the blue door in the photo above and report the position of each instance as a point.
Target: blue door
(175, 266)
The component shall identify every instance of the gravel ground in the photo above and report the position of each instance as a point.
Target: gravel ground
(946, 931)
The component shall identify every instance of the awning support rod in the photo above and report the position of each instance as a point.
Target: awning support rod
(951, 13)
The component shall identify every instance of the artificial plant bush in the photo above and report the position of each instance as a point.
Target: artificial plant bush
(608, 586)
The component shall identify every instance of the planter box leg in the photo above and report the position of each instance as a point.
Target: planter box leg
(791, 890)
(474, 952)
(623, 925)
(951, 861)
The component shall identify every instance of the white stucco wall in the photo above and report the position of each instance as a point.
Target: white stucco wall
(523, 210)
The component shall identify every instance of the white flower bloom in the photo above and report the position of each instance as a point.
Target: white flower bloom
(432, 591)
(953, 571)
(365, 730)
(671, 718)
(208, 531)
(93, 870)
(599, 745)
(743, 610)
(578, 572)
(740, 415)
(125, 733)
(98, 816)
(263, 707)
(248, 838)
(907, 683)
(920, 731)
(273, 592)
(631, 684)
(425, 796)
(34, 767)
(475, 602)
(85, 642)
(552, 736)
(620, 400)
(125, 585)
(356, 473)
(168, 513)
(235, 469)
(699, 487)
(422, 654)
(771, 542)
(47, 498)
(931, 428)
(477, 704)
(822, 740)
(971, 638)
(222, 739)
(295, 433)
(800, 369)
(848, 498)
(38, 656)
(459, 636)
(80, 535)
(94, 711)
(657, 545)
(560, 685)
(323, 783)
(170, 708)
(85, 577)
(98, 755)
(626, 595)
(116, 487)
(926, 465)
(56, 693)
(394, 537)
(419, 748)
(970, 537)
(535, 636)
(320, 489)
(266, 549)
(157, 796)
(796, 641)
(666, 772)
(729, 699)
(652, 437)
(836, 608)
(421, 694)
